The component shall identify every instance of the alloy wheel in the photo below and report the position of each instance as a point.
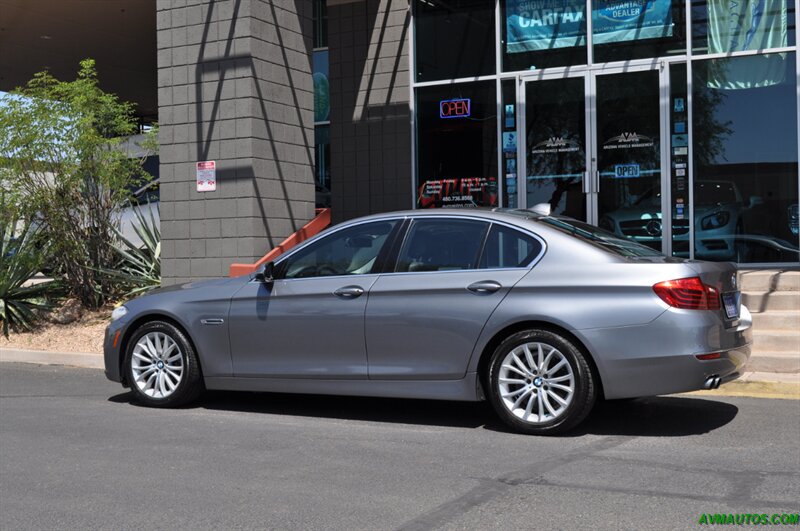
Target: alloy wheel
(157, 365)
(536, 382)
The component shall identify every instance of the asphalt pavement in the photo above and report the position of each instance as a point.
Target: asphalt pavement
(77, 453)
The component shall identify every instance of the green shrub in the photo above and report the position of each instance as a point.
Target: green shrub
(65, 160)
(138, 269)
(22, 253)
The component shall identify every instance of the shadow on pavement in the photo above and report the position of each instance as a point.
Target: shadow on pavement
(670, 416)
(658, 416)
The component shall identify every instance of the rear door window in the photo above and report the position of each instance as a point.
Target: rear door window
(506, 247)
(442, 245)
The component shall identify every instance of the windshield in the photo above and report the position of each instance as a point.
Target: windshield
(598, 237)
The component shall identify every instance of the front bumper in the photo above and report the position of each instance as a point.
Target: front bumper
(112, 349)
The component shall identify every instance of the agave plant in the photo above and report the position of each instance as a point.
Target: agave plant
(21, 256)
(139, 267)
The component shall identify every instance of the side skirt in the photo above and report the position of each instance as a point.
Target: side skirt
(461, 390)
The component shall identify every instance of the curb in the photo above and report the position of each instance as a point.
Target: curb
(43, 357)
(755, 389)
(752, 384)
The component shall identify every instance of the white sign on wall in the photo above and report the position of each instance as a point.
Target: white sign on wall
(206, 176)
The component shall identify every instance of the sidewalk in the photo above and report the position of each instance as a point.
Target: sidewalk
(44, 357)
(753, 384)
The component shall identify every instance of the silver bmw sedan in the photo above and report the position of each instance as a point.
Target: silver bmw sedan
(541, 315)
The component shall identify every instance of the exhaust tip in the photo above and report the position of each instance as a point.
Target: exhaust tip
(712, 382)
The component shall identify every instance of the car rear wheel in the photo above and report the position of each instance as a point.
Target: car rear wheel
(540, 383)
(161, 366)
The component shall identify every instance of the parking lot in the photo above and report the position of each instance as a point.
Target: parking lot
(76, 453)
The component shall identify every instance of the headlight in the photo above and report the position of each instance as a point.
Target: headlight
(715, 221)
(118, 313)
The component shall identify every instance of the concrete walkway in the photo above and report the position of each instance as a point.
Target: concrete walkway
(754, 384)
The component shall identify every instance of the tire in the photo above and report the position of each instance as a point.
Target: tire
(521, 395)
(161, 366)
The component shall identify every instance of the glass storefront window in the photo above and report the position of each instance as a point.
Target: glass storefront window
(745, 158)
(320, 17)
(509, 158)
(543, 33)
(454, 38)
(322, 107)
(636, 29)
(724, 27)
(679, 144)
(457, 145)
(322, 91)
(322, 156)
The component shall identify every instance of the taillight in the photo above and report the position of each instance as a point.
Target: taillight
(688, 294)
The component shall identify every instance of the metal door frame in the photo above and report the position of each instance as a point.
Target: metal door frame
(591, 178)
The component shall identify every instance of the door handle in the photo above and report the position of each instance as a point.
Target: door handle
(349, 292)
(484, 287)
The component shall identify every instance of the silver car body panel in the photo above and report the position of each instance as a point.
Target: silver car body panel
(423, 334)
(298, 328)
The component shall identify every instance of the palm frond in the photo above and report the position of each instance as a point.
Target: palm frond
(139, 267)
(21, 257)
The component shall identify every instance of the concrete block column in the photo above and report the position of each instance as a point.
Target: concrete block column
(370, 130)
(235, 87)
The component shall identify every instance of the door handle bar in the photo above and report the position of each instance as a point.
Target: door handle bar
(484, 287)
(349, 292)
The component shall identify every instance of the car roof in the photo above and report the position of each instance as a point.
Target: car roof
(479, 212)
(525, 219)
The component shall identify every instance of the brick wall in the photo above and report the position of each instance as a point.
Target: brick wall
(370, 129)
(234, 86)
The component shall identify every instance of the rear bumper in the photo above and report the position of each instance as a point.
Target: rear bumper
(660, 357)
(674, 374)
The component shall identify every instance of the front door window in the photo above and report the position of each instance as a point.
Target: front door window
(352, 251)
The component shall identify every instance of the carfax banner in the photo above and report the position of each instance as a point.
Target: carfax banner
(546, 24)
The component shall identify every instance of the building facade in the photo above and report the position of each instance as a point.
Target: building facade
(670, 122)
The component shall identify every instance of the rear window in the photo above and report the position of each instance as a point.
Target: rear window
(598, 237)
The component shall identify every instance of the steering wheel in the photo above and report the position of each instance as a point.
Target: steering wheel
(308, 271)
(326, 271)
(314, 271)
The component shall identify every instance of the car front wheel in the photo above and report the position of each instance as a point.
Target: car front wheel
(161, 366)
(540, 383)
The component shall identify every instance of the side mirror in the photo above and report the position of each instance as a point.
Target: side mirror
(265, 273)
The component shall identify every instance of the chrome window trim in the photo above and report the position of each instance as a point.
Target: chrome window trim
(413, 217)
(325, 234)
(491, 222)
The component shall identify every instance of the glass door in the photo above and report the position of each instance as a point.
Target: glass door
(627, 155)
(591, 147)
(553, 147)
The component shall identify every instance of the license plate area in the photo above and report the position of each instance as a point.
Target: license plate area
(732, 302)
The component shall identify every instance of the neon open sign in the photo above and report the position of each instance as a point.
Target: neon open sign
(459, 108)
